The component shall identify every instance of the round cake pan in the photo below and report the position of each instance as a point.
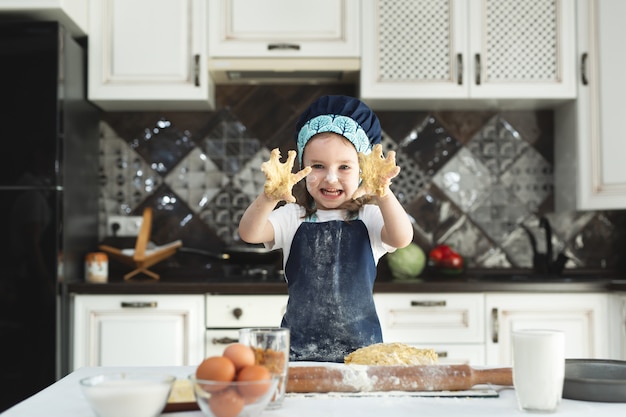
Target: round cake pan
(595, 380)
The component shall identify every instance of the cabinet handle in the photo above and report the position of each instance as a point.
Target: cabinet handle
(139, 304)
(224, 341)
(283, 47)
(477, 64)
(459, 69)
(442, 354)
(495, 325)
(583, 68)
(428, 303)
(196, 70)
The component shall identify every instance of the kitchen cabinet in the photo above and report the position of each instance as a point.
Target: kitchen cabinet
(589, 171)
(137, 330)
(226, 314)
(583, 318)
(452, 324)
(284, 28)
(149, 55)
(466, 53)
(617, 326)
(72, 14)
(286, 41)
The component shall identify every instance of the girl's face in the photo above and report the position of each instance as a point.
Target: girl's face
(335, 170)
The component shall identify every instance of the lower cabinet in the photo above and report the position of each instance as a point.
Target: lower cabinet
(452, 324)
(137, 330)
(226, 314)
(583, 318)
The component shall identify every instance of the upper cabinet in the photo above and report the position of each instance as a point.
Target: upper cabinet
(284, 41)
(440, 53)
(72, 14)
(149, 55)
(284, 28)
(590, 173)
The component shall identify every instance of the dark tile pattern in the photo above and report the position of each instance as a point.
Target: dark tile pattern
(468, 179)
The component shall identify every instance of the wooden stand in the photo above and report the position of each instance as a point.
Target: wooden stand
(143, 258)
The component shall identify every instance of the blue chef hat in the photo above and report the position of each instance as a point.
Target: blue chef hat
(346, 116)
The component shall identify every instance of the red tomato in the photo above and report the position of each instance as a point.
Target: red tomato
(454, 261)
(436, 255)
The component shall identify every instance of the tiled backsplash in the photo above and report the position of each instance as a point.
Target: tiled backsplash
(468, 179)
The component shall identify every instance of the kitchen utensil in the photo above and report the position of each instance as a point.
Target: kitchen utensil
(142, 258)
(538, 369)
(351, 378)
(595, 380)
(239, 254)
(271, 348)
(127, 394)
(233, 399)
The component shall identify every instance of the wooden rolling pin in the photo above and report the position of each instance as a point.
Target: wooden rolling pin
(393, 378)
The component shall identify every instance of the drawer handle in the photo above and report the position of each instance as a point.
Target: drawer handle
(442, 354)
(283, 47)
(224, 340)
(428, 303)
(139, 304)
(583, 69)
(495, 326)
(478, 68)
(196, 70)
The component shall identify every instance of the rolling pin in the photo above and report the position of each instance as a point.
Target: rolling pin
(302, 379)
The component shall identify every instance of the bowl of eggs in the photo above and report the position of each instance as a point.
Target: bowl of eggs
(127, 394)
(233, 385)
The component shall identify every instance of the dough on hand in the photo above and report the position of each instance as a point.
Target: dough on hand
(376, 171)
(392, 354)
(279, 178)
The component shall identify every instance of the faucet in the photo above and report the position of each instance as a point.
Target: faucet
(543, 263)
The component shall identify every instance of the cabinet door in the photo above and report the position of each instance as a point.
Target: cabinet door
(522, 49)
(148, 55)
(283, 28)
(583, 318)
(590, 173)
(440, 53)
(413, 50)
(431, 318)
(138, 330)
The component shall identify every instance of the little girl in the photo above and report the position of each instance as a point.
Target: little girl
(335, 231)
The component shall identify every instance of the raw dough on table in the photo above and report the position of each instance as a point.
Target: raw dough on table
(392, 354)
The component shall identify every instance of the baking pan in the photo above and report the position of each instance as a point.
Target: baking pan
(595, 380)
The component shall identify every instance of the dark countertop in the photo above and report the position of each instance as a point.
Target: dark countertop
(474, 282)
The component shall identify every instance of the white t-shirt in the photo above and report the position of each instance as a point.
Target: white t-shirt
(287, 219)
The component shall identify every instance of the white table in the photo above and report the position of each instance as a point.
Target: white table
(64, 399)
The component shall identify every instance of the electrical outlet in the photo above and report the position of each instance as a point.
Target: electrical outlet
(124, 226)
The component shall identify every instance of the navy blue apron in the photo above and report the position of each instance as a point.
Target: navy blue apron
(330, 272)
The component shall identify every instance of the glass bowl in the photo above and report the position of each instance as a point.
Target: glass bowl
(127, 394)
(233, 399)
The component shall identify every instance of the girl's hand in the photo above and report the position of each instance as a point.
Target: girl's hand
(376, 172)
(279, 178)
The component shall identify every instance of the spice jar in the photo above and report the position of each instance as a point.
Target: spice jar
(96, 267)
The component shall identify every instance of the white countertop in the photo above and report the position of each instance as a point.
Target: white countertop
(64, 399)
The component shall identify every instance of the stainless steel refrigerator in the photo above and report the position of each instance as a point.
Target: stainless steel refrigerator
(48, 199)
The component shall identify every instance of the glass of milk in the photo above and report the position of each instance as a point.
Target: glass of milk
(538, 369)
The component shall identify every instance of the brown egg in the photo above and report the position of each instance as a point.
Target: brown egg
(250, 374)
(227, 403)
(240, 354)
(216, 368)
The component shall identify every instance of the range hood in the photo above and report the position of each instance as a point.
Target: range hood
(284, 70)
